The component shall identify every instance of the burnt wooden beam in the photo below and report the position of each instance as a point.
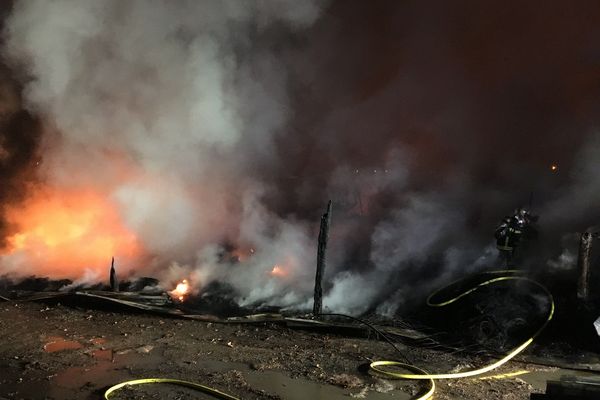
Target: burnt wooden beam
(321, 260)
(114, 283)
(583, 266)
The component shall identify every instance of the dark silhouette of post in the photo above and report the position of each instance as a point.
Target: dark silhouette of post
(114, 283)
(583, 265)
(321, 252)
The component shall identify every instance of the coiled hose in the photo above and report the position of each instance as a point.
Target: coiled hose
(421, 374)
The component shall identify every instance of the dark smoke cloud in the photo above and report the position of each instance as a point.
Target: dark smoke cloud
(500, 90)
(424, 121)
(20, 132)
(479, 98)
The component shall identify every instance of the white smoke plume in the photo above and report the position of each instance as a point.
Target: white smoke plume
(163, 107)
(88, 276)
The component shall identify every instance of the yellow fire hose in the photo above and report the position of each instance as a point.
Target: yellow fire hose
(201, 388)
(420, 374)
(423, 375)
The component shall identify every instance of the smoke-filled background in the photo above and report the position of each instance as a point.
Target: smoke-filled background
(203, 139)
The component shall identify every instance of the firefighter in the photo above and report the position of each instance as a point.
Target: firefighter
(511, 231)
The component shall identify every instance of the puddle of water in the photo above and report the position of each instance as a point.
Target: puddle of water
(69, 383)
(61, 345)
(276, 382)
(109, 369)
(300, 389)
(76, 377)
(105, 355)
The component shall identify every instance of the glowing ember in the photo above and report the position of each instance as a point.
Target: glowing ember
(62, 233)
(181, 290)
(554, 167)
(278, 271)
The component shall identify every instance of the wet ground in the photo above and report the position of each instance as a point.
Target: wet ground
(59, 352)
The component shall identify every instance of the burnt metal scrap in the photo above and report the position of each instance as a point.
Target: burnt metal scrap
(570, 388)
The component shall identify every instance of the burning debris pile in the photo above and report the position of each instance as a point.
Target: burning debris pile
(181, 290)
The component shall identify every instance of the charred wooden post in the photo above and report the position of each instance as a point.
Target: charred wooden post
(583, 265)
(321, 252)
(114, 283)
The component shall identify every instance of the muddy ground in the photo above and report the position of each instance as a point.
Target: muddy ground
(51, 351)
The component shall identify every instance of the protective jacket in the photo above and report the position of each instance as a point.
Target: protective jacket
(508, 234)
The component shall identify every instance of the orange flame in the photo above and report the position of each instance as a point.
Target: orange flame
(278, 271)
(181, 290)
(61, 233)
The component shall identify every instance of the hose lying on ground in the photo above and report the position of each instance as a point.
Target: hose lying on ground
(419, 374)
(221, 395)
(424, 375)
(201, 388)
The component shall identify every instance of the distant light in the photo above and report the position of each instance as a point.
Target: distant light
(554, 168)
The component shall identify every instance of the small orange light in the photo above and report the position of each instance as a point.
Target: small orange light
(554, 167)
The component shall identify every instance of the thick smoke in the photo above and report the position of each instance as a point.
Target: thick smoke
(166, 108)
(219, 130)
(19, 135)
(481, 99)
